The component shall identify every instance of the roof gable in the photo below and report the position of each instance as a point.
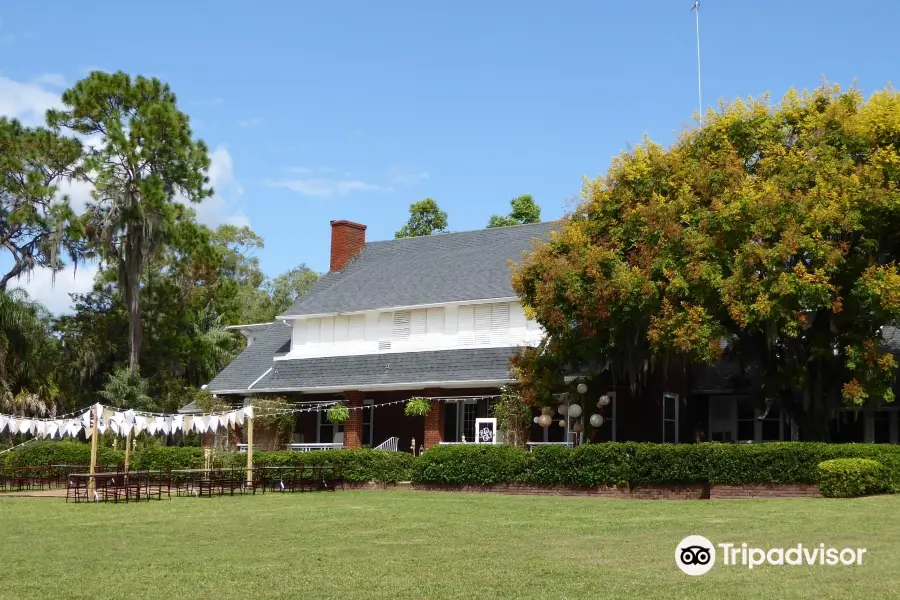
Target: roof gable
(435, 269)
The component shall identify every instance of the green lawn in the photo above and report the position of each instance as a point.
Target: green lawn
(369, 544)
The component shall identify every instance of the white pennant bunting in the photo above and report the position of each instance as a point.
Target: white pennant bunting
(214, 423)
(239, 417)
(40, 428)
(14, 426)
(140, 424)
(248, 412)
(125, 428)
(232, 418)
(188, 424)
(166, 425)
(86, 420)
(4, 421)
(177, 423)
(52, 428)
(25, 426)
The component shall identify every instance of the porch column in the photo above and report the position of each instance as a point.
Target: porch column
(353, 428)
(434, 420)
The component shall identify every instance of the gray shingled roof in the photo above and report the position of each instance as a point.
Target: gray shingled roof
(448, 267)
(254, 360)
(488, 365)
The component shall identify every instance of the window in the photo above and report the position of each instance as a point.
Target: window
(329, 432)
(746, 420)
(770, 424)
(670, 418)
(882, 426)
(459, 419)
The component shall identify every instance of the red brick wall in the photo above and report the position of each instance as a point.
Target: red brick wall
(760, 490)
(434, 420)
(347, 239)
(353, 427)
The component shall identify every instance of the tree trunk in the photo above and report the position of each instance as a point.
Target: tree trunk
(130, 280)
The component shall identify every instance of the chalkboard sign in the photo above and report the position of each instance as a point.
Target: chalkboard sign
(486, 431)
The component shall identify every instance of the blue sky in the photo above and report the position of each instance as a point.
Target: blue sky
(353, 110)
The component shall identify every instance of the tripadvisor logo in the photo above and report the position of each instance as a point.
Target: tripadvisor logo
(696, 555)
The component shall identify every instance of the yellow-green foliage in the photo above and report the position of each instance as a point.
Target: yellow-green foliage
(772, 227)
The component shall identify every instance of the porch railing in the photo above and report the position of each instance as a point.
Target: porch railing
(388, 444)
(303, 447)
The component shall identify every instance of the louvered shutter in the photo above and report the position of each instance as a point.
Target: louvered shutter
(435, 321)
(313, 328)
(466, 325)
(516, 323)
(482, 323)
(358, 328)
(500, 323)
(327, 334)
(417, 323)
(401, 325)
(385, 330)
(341, 329)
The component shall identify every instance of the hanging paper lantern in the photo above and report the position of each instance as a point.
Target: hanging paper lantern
(582, 388)
(562, 422)
(537, 420)
(575, 411)
(604, 400)
(545, 420)
(596, 420)
(562, 408)
(576, 427)
(547, 410)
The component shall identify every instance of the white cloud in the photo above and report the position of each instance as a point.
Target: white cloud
(309, 170)
(247, 123)
(323, 187)
(222, 207)
(54, 79)
(401, 176)
(27, 102)
(54, 294)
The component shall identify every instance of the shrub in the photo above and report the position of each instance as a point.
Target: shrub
(849, 477)
(601, 464)
(167, 458)
(41, 454)
(470, 464)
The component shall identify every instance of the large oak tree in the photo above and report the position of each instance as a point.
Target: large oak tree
(768, 235)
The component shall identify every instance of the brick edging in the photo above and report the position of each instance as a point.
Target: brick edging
(689, 491)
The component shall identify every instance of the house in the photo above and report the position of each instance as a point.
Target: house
(431, 316)
(436, 316)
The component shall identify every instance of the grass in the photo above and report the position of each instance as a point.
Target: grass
(373, 544)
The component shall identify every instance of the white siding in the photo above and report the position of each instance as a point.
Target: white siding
(497, 324)
(466, 325)
(418, 322)
(357, 328)
(341, 329)
(313, 330)
(385, 330)
(326, 336)
(434, 327)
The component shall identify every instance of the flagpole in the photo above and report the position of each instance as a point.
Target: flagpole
(696, 9)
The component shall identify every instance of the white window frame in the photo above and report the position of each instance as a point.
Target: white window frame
(674, 398)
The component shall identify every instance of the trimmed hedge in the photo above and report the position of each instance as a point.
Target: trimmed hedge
(358, 465)
(590, 465)
(41, 454)
(470, 464)
(850, 477)
(632, 464)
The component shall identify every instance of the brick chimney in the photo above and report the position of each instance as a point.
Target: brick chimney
(347, 240)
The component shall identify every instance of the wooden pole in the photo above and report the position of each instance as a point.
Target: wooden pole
(249, 452)
(92, 483)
